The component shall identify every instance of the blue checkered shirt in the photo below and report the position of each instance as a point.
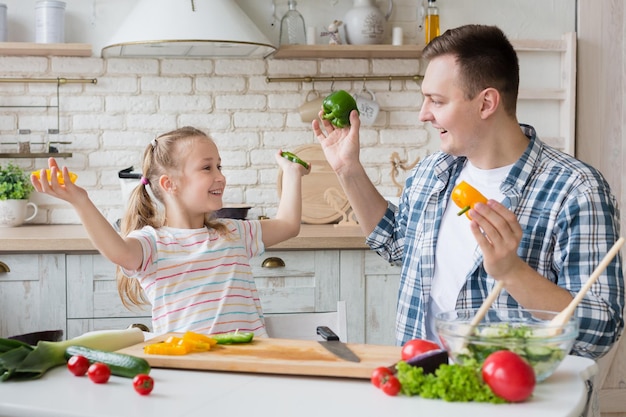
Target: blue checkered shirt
(570, 221)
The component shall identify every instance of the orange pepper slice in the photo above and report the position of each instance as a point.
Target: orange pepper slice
(465, 196)
(60, 179)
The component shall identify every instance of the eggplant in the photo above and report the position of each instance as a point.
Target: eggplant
(428, 361)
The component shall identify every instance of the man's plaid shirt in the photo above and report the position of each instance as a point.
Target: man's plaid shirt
(570, 221)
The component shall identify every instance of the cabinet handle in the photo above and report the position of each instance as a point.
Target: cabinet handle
(273, 262)
(4, 267)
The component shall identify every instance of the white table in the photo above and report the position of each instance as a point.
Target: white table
(199, 393)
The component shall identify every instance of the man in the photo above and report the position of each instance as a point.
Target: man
(549, 221)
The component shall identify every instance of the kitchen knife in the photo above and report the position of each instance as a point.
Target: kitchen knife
(335, 346)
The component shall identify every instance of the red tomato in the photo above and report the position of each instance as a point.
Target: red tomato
(143, 384)
(99, 372)
(416, 347)
(380, 375)
(391, 386)
(509, 376)
(78, 365)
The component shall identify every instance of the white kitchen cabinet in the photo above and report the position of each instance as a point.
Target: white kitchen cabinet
(313, 281)
(32, 293)
(369, 285)
(93, 302)
(309, 281)
(78, 292)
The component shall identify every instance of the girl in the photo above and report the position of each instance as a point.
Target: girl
(192, 268)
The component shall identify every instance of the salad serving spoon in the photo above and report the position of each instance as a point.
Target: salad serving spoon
(564, 316)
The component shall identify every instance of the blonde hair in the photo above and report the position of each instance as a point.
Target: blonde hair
(163, 156)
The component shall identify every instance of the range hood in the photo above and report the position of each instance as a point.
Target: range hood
(188, 29)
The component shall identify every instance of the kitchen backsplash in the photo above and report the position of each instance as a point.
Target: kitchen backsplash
(109, 123)
(134, 100)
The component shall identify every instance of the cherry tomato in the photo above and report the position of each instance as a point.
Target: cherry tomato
(78, 365)
(509, 376)
(143, 384)
(99, 372)
(391, 386)
(416, 347)
(380, 375)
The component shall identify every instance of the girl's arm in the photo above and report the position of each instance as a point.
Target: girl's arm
(289, 215)
(126, 253)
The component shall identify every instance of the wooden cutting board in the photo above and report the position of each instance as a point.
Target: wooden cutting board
(275, 356)
(323, 199)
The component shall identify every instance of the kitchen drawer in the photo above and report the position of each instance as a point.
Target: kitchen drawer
(309, 281)
(32, 293)
(92, 290)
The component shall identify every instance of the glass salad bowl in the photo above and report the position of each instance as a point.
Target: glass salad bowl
(525, 332)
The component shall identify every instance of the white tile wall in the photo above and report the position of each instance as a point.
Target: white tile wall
(135, 99)
(110, 123)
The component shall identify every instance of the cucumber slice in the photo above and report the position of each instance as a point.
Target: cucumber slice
(538, 353)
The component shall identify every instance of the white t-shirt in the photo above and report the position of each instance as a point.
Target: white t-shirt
(456, 244)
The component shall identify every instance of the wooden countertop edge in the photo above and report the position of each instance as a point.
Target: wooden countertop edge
(73, 238)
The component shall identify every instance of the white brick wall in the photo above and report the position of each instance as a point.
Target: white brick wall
(110, 123)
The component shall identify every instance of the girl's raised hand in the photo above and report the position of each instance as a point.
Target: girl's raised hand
(289, 161)
(57, 183)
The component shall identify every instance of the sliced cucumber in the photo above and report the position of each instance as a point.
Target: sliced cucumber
(538, 353)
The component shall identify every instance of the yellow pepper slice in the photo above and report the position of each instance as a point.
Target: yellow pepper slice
(198, 342)
(465, 196)
(60, 179)
(192, 336)
(175, 345)
(163, 348)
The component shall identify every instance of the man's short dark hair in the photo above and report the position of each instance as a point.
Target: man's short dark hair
(486, 59)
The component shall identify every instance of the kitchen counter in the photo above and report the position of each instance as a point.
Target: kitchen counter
(180, 393)
(73, 238)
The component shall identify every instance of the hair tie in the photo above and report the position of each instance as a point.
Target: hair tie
(145, 180)
(153, 142)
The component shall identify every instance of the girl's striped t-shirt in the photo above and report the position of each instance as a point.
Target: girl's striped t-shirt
(201, 280)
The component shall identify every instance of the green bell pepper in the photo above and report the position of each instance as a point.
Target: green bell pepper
(337, 107)
(294, 158)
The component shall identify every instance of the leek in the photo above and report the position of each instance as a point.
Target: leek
(28, 362)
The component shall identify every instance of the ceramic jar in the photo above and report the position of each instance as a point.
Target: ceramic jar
(365, 23)
(14, 212)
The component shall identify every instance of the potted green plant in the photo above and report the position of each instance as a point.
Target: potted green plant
(15, 189)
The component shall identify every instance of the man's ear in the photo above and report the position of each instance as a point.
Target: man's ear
(490, 100)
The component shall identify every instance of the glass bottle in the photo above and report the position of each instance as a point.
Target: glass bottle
(292, 28)
(431, 21)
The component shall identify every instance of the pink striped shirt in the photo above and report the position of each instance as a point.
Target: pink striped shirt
(199, 280)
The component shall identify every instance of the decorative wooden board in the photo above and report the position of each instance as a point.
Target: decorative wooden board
(317, 187)
(275, 356)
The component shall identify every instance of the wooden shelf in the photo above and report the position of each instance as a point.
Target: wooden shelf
(16, 155)
(44, 49)
(348, 51)
(390, 51)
